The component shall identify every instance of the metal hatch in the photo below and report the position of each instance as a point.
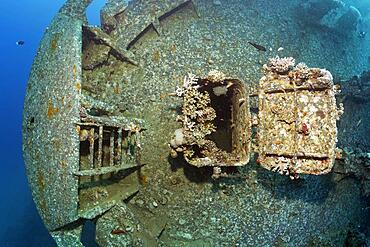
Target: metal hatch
(297, 130)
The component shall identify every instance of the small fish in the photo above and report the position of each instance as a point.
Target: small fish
(359, 122)
(118, 231)
(19, 42)
(257, 46)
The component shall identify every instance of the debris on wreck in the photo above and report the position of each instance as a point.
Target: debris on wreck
(330, 15)
(354, 163)
(355, 95)
(357, 88)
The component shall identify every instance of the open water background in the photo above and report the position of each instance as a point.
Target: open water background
(20, 224)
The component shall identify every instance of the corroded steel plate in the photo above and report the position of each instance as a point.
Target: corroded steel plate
(51, 111)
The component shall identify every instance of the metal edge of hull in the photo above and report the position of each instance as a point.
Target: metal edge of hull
(51, 109)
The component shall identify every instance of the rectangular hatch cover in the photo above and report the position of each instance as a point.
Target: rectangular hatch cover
(297, 130)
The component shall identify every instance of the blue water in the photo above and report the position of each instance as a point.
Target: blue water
(25, 20)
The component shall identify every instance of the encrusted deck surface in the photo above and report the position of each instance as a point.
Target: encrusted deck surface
(141, 16)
